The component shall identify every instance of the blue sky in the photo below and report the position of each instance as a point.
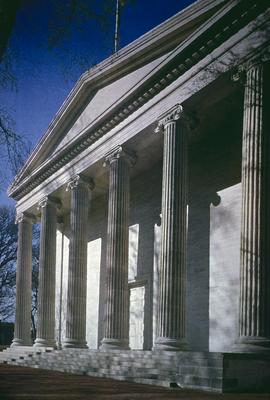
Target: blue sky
(45, 76)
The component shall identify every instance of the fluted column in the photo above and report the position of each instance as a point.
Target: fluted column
(80, 188)
(22, 334)
(172, 279)
(47, 260)
(116, 333)
(254, 322)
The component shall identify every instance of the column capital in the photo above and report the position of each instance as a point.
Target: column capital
(60, 220)
(25, 217)
(49, 200)
(259, 58)
(120, 152)
(239, 73)
(171, 115)
(80, 180)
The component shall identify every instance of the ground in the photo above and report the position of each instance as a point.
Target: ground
(19, 383)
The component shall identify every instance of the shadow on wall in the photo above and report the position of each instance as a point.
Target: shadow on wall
(145, 214)
(214, 231)
(198, 271)
(62, 252)
(225, 269)
(97, 258)
(93, 292)
(213, 269)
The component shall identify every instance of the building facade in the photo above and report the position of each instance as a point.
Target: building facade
(151, 188)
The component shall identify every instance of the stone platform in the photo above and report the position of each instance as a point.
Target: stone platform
(219, 372)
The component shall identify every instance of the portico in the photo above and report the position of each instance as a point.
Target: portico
(158, 167)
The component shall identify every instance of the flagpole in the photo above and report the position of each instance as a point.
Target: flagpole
(117, 25)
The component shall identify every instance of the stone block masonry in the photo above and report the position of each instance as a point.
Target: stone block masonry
(216, 372)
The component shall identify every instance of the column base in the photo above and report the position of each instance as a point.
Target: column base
(114, 344)
(168, 344)
(45, 343)
(252, 344)
(21, 342)
(74, 344)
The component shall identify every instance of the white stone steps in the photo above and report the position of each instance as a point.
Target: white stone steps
(167, 369)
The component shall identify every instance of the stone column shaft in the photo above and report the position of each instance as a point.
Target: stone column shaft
(22, 334)
(254, 329)
(117, 301)
(172, 281)
(47, 261)
(77, 271)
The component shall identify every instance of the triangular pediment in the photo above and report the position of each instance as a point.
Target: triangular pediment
(108, 85)
(104, 99)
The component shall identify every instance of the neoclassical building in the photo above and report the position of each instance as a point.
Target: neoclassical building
(152, 190)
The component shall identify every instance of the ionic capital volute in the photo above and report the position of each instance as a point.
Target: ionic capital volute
(239, 73)
(49, 200)
(170, 116)
(80, 180)
(25, 217)
(119, 152)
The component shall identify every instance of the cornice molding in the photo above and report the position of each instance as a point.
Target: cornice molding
(224, 25)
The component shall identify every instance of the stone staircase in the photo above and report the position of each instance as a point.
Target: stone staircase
(192, 370)
(19, 353)
(218, 372)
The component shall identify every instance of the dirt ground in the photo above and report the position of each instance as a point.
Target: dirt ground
(20, 383)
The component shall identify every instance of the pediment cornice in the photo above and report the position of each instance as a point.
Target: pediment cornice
(203, 41)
